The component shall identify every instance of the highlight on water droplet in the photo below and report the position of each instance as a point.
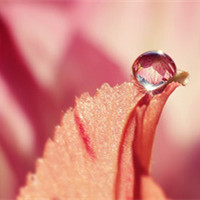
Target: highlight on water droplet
(153, 69)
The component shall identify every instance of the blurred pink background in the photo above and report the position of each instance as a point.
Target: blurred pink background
(52, 52)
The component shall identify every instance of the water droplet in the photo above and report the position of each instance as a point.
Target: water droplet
(153, 69)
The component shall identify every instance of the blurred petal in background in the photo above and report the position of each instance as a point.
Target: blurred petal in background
(52, 52)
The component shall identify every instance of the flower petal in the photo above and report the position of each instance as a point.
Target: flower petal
(98, 151)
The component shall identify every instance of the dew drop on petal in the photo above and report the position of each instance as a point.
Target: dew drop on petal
(153, 69)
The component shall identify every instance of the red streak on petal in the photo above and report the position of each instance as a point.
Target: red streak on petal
(139, 169)
(124, 188)
(147, 116)
(136, 144)
(84, 136)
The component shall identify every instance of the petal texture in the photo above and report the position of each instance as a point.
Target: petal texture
(102, 148)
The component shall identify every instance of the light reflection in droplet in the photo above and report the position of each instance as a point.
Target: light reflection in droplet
(153, 69)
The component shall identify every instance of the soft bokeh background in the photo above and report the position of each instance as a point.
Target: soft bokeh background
(52, 52)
